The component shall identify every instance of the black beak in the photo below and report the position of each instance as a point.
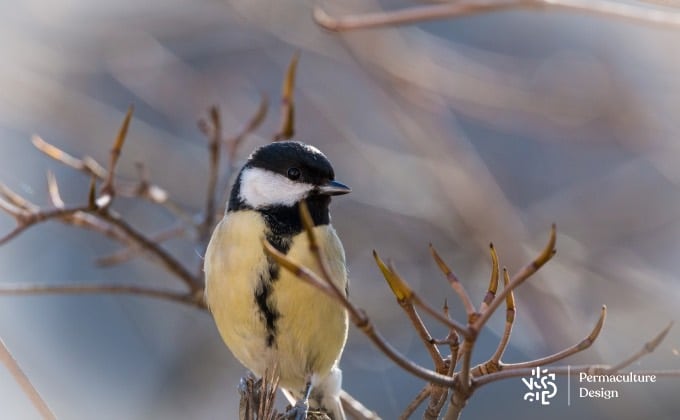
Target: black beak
(333, 188)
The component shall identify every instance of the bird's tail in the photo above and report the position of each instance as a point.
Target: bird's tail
(326, 394)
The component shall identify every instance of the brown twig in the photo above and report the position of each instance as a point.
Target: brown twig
(108, 191)
(287, 127)
(146, 244)
(493, 281)
(87, 165)
(412, 15)
(509, 321)
(454, 283)
(546, 254)
(407, 305)
(214, 147)
(90, 167)
(415, 403)
(25, 384)
(25, 219)
(401, 289)
(475, 326)
(576, 348)
(73, 289)
(647, 348)
(132, 251)
(253, 124)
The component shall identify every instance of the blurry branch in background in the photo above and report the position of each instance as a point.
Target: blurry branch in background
(449, 378)
(25, 384)
(287, 129)
(416, 14)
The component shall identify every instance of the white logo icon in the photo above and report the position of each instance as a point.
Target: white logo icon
(541, 386)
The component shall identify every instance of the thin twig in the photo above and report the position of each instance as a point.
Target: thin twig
(509, 321)
(287, 128)
(167, 260)
(415, 403)
(108, 187)
(214, 147)
(9, 289)
(546, 254)
(493, 281)
(412, 15)
(647, 348)
(26, 220)
(454, 283)
(401, 289)
(25, 384)
(132, 251)
(576, 348)
(92, 168)
(53, 191)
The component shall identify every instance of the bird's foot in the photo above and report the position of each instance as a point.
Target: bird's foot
(298, 411)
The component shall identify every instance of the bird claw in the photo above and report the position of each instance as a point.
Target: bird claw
(298, 411)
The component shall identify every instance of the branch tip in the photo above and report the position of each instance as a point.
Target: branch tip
(398, 286)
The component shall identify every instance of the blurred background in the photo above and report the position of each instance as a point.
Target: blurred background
(459, 133)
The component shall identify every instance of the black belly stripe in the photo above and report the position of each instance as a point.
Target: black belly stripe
(282, 224)
(268, 311)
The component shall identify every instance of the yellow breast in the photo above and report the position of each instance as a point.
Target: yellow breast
(311, 328)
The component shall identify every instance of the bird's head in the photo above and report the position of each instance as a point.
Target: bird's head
(282, 174)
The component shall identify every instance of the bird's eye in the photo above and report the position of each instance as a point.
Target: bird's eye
(293, 173)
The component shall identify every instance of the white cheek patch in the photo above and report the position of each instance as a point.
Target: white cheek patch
(263, 188)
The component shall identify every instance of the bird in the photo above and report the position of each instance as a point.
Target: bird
(265, 315)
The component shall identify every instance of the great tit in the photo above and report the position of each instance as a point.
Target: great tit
(265, 315)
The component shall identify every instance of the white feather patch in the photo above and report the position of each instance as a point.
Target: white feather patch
(262, 188)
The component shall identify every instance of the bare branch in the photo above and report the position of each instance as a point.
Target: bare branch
(509, 321)
(455, 283)
(256, 120)
(412, 15)
(25, 384)
(576, 348)
(108, 188)
(15, 199)
(74, 289)
(401, 289)
(26, 220)
(355, 409)
(404, 300)
(546, 254)
(649, 347)
(87, 164)
(53, 190)
(415, 403)
(92, 168)
(132, 251)
(146, 244)
(214, 146)
(287, 129)
(493, 281)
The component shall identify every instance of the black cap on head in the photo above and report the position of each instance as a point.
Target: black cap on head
(280, 157)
